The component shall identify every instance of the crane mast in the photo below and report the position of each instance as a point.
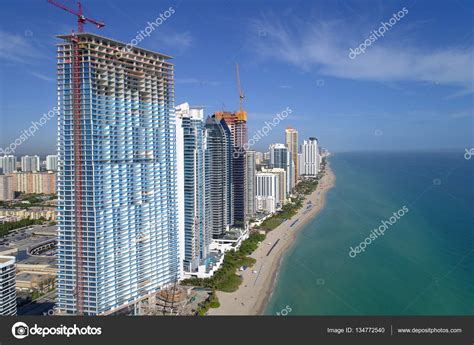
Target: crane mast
(77, 140)
(241, 114)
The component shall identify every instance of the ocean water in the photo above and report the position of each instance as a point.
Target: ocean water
(422, 265)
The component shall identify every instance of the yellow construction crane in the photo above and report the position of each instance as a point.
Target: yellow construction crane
(241, 114)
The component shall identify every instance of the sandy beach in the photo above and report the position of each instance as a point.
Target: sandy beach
(256, 288)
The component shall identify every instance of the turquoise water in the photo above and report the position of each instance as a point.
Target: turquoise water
(422, 265)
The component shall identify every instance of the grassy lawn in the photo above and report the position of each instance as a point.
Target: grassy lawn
(287, 211)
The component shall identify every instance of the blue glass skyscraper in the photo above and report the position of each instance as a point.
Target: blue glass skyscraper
(117, 199)
(193, 187)
(219, 164)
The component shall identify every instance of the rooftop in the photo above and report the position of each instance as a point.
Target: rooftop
(119, 43)
(6, 259)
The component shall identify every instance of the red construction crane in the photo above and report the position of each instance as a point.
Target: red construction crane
(239, 88)
(77, 53)
(81, 19)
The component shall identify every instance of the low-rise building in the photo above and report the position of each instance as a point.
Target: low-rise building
(47, 213)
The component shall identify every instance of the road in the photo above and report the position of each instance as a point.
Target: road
(41, 306)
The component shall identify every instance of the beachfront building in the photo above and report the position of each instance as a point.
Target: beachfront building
(7, 164)
(52, 162)
(6, 188)
(30, 163)
(251, 183)
(219, 172)
(300, 163)
(268, 187)
(280, 157)
(117, 194)
(310, 157)
(291, 140)
(7, 286)
(265, 204)
(193, 187)
(237, 124)
(282, 184)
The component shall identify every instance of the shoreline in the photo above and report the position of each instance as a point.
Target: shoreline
(253, 294)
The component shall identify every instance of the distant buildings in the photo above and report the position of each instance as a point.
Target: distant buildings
(279, 168)
(219, 167)
(266, 157)
(34, 182)
(310, 157)
(291, 140)
(7, 286)
(117, 194)
(280, 157)
(251, 183)
(6, 188)
(259, 158)
(7, 164)
(30, 163)
(52, 162)
(16, 213)
(193, 187)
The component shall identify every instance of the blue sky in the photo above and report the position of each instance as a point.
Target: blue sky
(412, 89)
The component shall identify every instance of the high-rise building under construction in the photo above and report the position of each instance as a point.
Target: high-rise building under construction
(117, 193)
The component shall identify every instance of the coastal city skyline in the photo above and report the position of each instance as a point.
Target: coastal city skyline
(182, 160)
(150, 195)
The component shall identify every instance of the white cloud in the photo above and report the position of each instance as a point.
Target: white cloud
(462, 114)
(42, 76)
(18, 48)
(178, 41)
(195, 81)
(324, 47)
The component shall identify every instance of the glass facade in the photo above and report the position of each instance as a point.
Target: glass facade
(191, 136)
(128, 245)
(219, 165)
